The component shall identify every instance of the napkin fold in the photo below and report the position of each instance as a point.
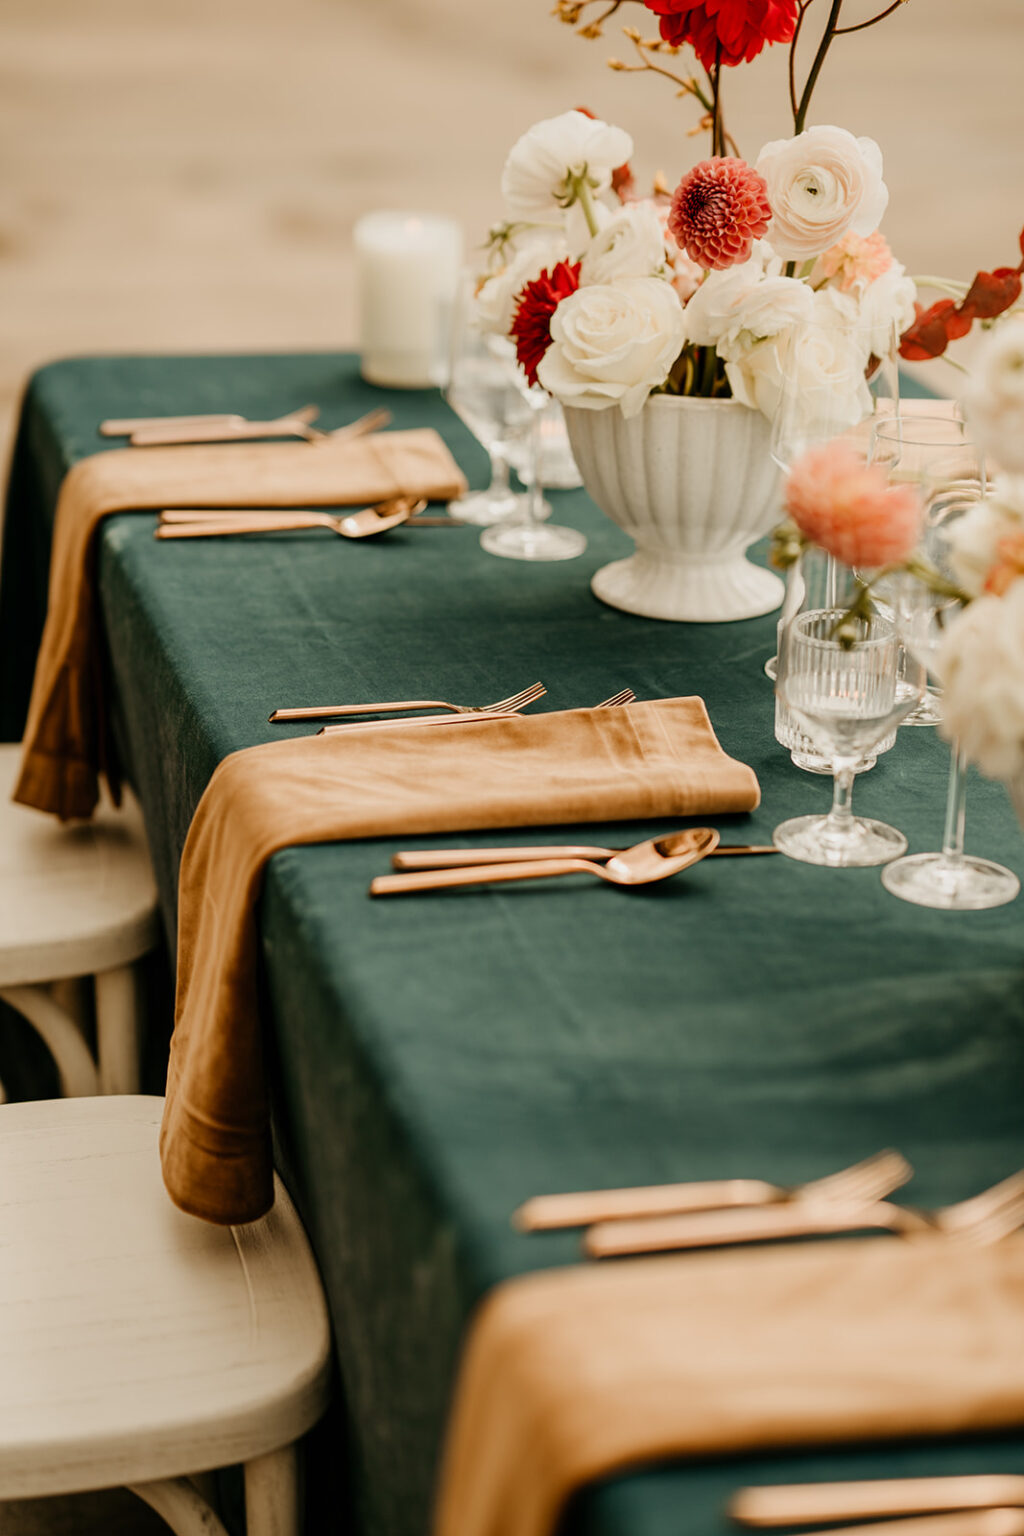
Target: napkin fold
(657, 759)
(576, 1374)
(67, 740)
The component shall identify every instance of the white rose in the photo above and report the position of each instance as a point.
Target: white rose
(543, 163)
(994, 400)
(981, 664)
(771, 306)
(821, 367)
(711, 311)
(630, 245)
(972, 541)
(496, 300)
(886, 309)
(613, 344)
(821, 184)
(755, 377)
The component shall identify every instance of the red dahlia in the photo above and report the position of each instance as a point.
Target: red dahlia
(534, 307)
(740, 28)
(718, 210)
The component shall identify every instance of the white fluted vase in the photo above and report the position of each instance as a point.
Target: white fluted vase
(693, 484)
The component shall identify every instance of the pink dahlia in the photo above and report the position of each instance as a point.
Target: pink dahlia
(848, 508)
(731, 30)
(718, 210)
(531, 327)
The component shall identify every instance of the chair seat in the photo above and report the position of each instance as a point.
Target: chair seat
(137, 1342)
(76, 899)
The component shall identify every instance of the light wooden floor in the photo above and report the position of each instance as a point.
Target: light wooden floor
(184, 174)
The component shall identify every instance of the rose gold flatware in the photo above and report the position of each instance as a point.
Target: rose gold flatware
(657, 859)
(984, 1218)
(862, 1182)
(462, 858)
(515, 701)
(355, 525)
(826, 1503)
(972, 1522)
(293, 424)
(467, 717)
(125, 426)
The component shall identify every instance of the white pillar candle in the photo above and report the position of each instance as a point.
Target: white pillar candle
(407, 267)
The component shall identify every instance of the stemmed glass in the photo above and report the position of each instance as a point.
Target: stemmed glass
(935, 454)
(950, 879)
(845, 698)
(525, 536)
(482, 389)
(832, 383)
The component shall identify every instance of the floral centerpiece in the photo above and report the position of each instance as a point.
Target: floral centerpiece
(624, 305)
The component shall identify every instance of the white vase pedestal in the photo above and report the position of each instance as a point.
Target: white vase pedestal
(693, 484)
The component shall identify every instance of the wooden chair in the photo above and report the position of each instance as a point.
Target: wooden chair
(76, 902)
(139, 1345)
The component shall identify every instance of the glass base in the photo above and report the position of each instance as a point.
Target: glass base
(527, 541)
(957, 885)
(813, 840)
(928, 712)
(811, 763)
(485, 508)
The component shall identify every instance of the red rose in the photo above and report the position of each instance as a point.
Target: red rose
(740, 28)
(538, 301)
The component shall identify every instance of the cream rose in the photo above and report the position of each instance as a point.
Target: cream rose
(630, 245)
(613, 344)
(973, 540)
(821, 368)
(821, 184)
(981, 665)
(712, 310)
(994, 400)
(542, 165)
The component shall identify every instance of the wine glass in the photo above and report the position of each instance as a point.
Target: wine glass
(949, 879)
(483, 390)
(832, 383)
(816, 581)
(559, 470)
(935, 454)
(525, 536)
(842, 691)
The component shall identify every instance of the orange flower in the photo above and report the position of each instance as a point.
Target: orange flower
(848, 508)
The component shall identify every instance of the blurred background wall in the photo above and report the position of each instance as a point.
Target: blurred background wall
(185, 174)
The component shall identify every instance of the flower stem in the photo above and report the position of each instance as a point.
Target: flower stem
(872, 20)
(819, 58)
(581, 188)
(717, 136)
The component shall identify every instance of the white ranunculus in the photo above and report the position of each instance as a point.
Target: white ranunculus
(981, 664)
(611, 344)
(631, 244)
(886, 309)
(496, 300)
(821, 184)
(542, 164)
(994, 400)
(973, 540)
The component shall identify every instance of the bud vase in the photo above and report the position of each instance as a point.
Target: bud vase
(693, 483)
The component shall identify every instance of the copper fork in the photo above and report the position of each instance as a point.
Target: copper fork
(467, 716)
(868, 1180)
(825, 1503)
(984, 1218)
(293, 424)
(514, 702)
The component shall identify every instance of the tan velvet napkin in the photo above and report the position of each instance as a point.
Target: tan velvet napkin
(66, 739)
(576, 1374)
(653, 759)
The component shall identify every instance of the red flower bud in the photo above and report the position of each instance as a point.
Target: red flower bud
(991, 293)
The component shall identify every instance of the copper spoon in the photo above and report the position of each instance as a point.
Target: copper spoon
(647, 862)
(462, 858)
(355, 525)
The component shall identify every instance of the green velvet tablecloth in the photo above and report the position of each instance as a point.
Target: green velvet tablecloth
(437, 1060)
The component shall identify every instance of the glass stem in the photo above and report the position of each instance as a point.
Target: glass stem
(840, 817)
(499, 472)
(956, 807)
(535, 494)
